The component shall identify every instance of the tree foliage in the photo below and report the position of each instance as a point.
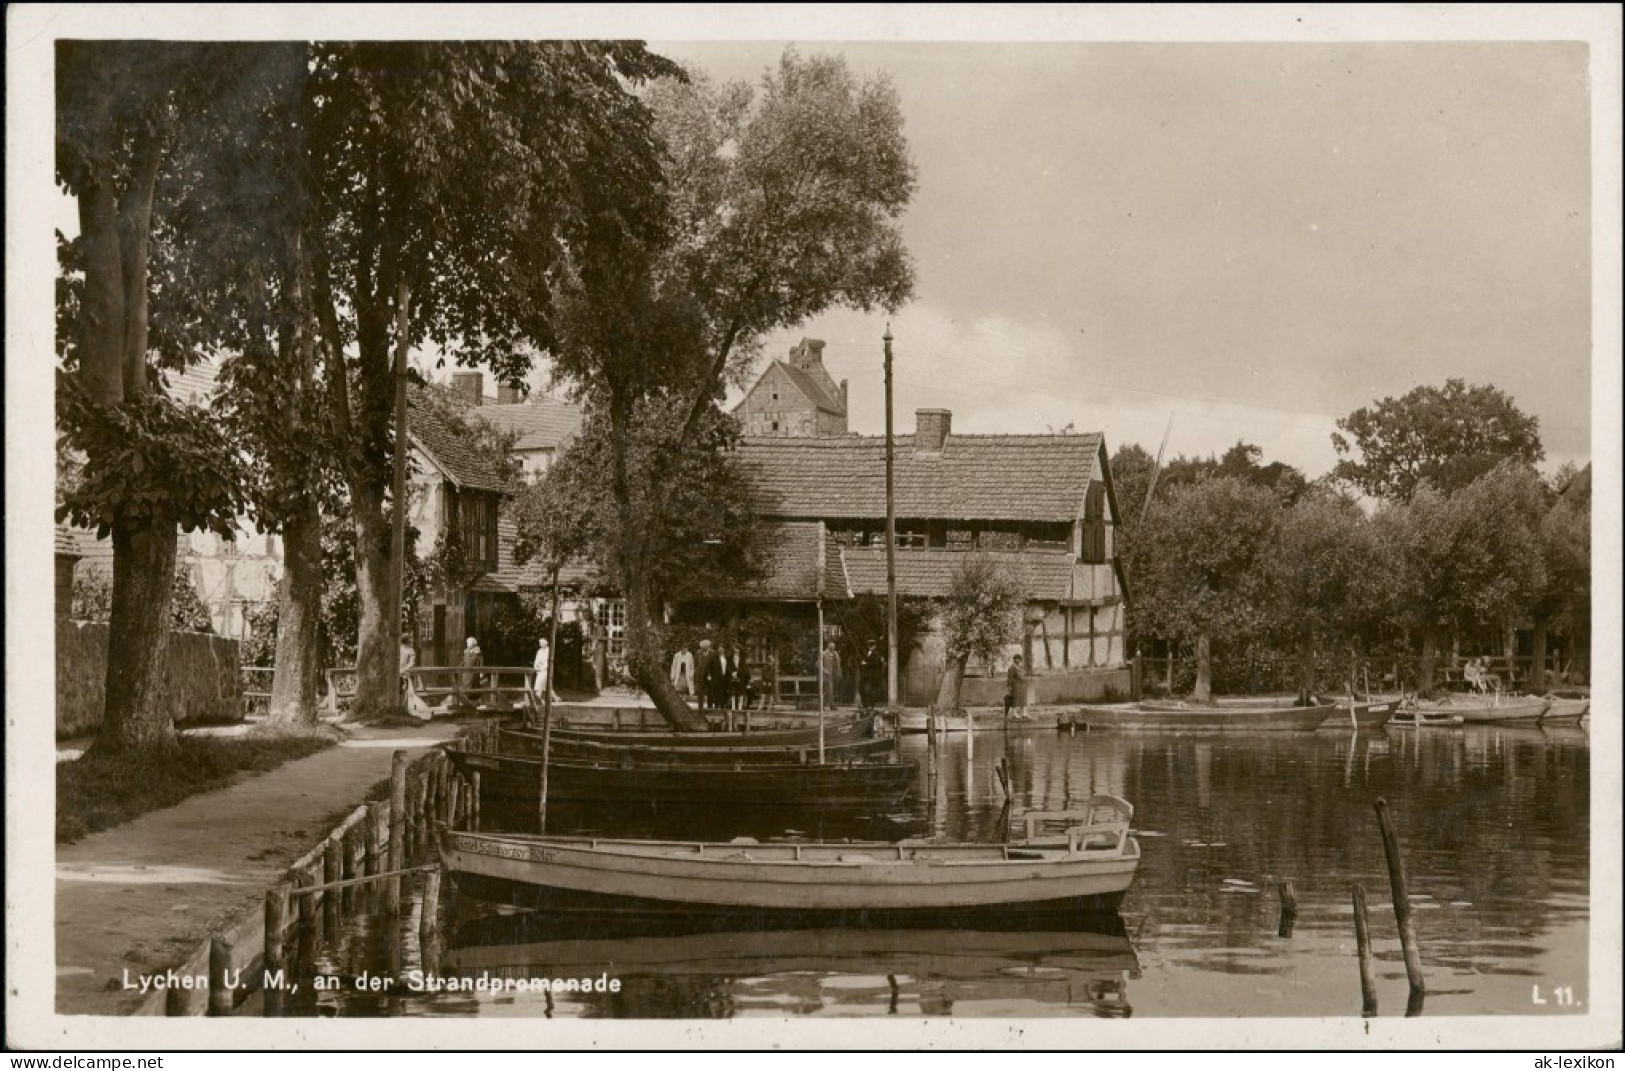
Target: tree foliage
(783, 201)
(980, 617)
(1448, 436)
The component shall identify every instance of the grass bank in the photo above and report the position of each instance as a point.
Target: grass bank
(96, 791)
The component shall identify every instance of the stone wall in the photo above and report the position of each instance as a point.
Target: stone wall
(203, 681)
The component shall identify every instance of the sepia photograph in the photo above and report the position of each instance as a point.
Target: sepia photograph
(1064, 527)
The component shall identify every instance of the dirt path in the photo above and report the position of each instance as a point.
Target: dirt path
(138, 898)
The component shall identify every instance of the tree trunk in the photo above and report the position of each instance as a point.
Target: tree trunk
(1430, 656)
(137, 713)
(377, 652)
(952, 686)
(644, 656)
(296, 682)
(1306, 666)
(1537, 665)
(1203, 692)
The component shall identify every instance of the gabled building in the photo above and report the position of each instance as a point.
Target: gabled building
(543, 426)
(1040, 506)
(795, 397)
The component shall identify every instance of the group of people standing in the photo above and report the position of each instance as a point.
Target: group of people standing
(717, 677)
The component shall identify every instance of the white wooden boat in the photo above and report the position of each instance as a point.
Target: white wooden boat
(1473, 709)
(1247, 715)
(1084, 866)
(1565, 710)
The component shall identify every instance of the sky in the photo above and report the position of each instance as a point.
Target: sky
(1250, 239)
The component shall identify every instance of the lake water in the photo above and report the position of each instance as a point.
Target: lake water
(1494, 825)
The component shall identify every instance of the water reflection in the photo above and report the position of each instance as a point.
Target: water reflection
(1494, 824)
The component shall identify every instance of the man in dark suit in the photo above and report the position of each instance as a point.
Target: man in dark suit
(705, 671)
(722, 670)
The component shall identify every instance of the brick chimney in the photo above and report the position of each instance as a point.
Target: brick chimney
(844, 406)
(931, 428)
(507, 395)
(469, 386)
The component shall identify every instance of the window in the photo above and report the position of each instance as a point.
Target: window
(476, 513)
(1095, 543)
(615, 627)
(775, 425)
(960, 539)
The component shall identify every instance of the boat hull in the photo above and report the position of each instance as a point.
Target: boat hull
(838, 884)
(836, 731)
(1423, 719)
(1527, 709)
(1367, 714)
(1566, 710)
(1233, 718)
(530, 743)
(515, 781)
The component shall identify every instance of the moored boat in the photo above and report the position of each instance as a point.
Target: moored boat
(776, 733)
(1562, 709)
(1361, 713)
(1084, 868)
(1409, 717)
(515, 781)
(569, 749)
(1489, 708)
(1249, 715)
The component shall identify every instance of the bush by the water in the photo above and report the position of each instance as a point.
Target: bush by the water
(99, 791)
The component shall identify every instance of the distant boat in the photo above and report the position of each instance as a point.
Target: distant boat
(1250, 715)
(1413, 718)
(1085, 867)
(1566, 710)
(515, 781)
(1366, 713)
(569, 749)
(918, 721)
(1488, 708)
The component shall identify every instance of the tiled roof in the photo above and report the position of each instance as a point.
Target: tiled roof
(1046, 576)
(809, 385)
(542, 423)
(975, 477)
(510, 576)
(793, 553)
(452, 452)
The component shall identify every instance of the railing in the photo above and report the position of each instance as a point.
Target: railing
(447, 690)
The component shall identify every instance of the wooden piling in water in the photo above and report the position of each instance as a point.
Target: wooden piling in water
(309, 921)
(1402, 900)
(332, 871)
(276, 948)
(1362, 942)
(397, 832)
(371, 850)
(474, 796)
(1289, 909)
(222, 999)
(429, 922)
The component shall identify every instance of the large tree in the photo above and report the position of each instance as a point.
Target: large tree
(1316, 566)
(1198, 565)
(151, 466)
(1448, 436)
(447, 181)
(1469, 559)
(978, 619)
(1565, 547)
(785, 202)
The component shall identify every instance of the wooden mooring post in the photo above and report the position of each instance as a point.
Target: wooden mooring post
(1289, 909)
(222, 1000)
(1362, 942)
(429, 921)
(332, 871)
(277, 902)
(1402, 901)
(397, 832)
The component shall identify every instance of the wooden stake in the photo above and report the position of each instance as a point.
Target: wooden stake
(276, 948)
(222, 1000)
(474, 796)
(1362, 941)
(371, 853)
(397, 831)
(1402, 900)
(429, 920)
(332, 871)
(1289, 910)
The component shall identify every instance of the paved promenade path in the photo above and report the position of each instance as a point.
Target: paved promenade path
(139, 897)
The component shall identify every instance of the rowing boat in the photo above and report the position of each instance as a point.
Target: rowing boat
(1084, 867)
(1413, 718)
(1361, 713)
(1489, 708)
(568, 749)
(515, 781)
(1250, 715)
(1566, 710)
